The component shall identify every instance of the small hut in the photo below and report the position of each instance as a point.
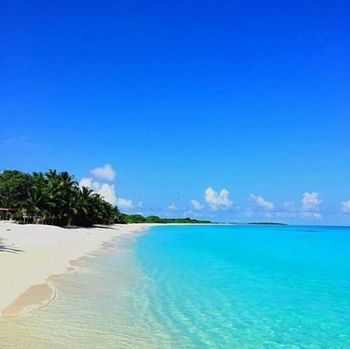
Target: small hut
(5, 213)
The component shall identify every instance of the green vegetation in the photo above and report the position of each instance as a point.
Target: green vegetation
(56, 198)
(53, 198)
(136, 218)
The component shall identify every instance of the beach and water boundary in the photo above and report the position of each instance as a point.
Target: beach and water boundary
(32, 255)
(201, 287)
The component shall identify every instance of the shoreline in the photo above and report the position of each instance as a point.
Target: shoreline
(32, 254)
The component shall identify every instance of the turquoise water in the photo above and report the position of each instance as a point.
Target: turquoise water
(250, 286)
(201, 287)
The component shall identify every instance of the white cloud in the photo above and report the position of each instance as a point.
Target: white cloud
(86, 182)
(345, 205)
(106, 190)
(172, 206)
(125, 204)
(309, 207)
(310, 201)
(196, 205)
(261, 203)
(105, 172)
(218, 200)
(90, 183)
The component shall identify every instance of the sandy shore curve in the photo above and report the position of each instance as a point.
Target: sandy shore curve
(30, 254)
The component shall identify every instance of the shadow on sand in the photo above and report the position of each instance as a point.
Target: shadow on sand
(4, 248)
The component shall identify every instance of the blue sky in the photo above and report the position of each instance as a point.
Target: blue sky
(247, 96)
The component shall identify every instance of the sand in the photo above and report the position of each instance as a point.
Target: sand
(30, 254)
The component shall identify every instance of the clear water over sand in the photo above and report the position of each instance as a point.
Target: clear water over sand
(201, 287)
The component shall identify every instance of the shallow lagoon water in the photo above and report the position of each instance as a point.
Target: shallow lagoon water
(200, 287)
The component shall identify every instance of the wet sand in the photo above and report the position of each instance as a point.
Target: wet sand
(31, 254)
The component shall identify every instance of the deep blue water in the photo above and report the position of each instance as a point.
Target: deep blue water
(248, 286)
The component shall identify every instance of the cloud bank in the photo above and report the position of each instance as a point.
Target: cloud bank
(101, 175)
(218, 200)
(106, 190)
(310, 203)
(261, 202)
(106, 173)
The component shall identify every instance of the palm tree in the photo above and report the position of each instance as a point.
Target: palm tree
(70, 193)
(62, 191)
(54, 198)
(51, 174)
(84, 207)
(35, 203)
(68, 180)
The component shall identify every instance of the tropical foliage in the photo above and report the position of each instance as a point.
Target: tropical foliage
(137, 218)
(53, 198)
(56, 198)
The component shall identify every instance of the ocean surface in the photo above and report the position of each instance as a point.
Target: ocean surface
(200, 287)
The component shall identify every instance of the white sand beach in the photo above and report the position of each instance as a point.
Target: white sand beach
(30, 254)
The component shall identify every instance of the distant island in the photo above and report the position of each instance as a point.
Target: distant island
(266, 223)
(55, 198)
(137, 218)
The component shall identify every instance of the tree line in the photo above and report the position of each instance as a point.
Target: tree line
(55, 198)
(137, 218)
